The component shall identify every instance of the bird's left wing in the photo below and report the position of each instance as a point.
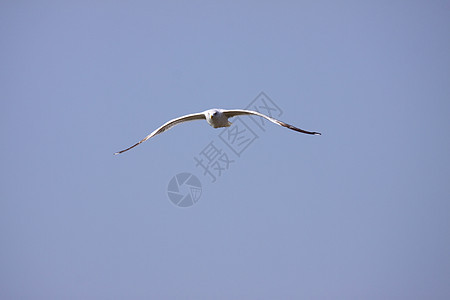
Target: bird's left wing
(237, 112)
(167, 126)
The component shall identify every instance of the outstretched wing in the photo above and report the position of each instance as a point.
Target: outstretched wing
(239, 112)
(167, 126)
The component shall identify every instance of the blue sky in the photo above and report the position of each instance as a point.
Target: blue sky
(361, 212)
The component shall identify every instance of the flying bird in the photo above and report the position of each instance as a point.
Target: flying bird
(217, 118)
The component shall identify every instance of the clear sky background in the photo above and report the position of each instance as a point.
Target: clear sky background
(361, 212)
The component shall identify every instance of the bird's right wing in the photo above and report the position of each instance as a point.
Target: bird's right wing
(237, 112)
(167, 126)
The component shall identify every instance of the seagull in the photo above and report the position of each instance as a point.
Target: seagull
(217, 118)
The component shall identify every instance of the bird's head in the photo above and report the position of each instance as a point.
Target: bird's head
(213, 113)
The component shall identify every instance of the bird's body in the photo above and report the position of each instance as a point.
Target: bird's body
(217, 118)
